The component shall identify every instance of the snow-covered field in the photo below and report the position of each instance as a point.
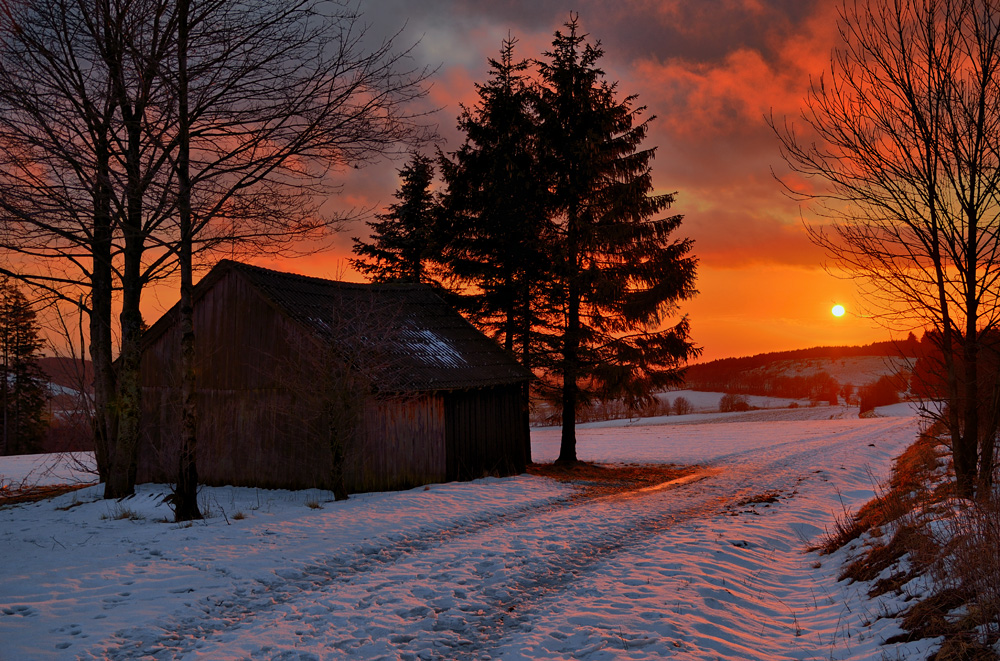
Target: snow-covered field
(498, 568)
(708, 402)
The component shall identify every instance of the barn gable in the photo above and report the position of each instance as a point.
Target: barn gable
(442, 401)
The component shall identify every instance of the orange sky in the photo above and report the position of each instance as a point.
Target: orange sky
(710, 72)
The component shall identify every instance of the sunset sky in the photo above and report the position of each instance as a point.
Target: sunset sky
(710, 72)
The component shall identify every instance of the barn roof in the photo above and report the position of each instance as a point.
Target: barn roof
(406, 337)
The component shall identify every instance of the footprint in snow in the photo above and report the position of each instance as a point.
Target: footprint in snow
(22, 610)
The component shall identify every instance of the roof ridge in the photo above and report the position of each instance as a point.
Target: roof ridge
(425, 342)
(230, 263)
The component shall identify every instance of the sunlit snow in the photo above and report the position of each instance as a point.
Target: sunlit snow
(497, 568)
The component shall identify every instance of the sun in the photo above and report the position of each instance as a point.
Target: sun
(838, 310)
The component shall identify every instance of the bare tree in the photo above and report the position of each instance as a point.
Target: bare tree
(302, 98)
(78, 178)
(103, 164)
(903, 134)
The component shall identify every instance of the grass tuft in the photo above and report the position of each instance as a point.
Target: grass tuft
(120, 512)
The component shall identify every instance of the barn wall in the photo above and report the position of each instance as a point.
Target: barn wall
(248, 429)
(258, 415)
(404, 444)
(486, 432)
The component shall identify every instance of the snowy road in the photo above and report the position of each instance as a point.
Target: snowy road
(528, 572)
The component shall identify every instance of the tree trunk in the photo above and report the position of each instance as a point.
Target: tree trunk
(105, 417)
(526, 362)
(571, 347)
(121, 481)
(966, 453)
(186, 493)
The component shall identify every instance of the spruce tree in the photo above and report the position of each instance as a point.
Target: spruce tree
(403, 239)
(494, 208)
(618, 274)
(22, 384)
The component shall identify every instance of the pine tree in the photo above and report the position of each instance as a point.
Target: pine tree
(22, 385)
(402, 240)
(494, 209)
(619, 274)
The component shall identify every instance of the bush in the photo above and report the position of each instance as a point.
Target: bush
(879, 393)
(682, 406)
(730, 403)
(655, 408)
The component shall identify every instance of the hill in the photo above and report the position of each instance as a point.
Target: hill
(819, 373)
(70, 381)
(72, 373)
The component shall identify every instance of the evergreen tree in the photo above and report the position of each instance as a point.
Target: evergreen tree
(618, 273)
(402, 240)
(494, 209)
(22, 385)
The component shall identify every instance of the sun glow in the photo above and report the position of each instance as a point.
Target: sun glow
(838, 310)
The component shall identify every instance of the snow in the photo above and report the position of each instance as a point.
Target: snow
(708, 402)
(515, 568)
(45, 469)
(856, 370)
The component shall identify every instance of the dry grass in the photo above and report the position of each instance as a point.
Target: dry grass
(15, 496)
(765, 497)
(915, 482)
(964, 608)
(970, 566)
(604, 479)
(119, 512)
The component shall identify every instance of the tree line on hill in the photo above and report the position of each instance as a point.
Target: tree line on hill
(715, 369)
(749, 375)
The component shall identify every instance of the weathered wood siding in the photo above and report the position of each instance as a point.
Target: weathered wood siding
(260, 403)
(486, 432)
(248, 433)
(403, 444)
(253, 425)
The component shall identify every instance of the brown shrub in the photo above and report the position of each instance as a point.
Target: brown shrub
(682, 406)
(733, 403)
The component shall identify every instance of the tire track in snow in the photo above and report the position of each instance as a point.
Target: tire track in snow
(185, 634)
(511, 606)
(375, 554)
(474, 596)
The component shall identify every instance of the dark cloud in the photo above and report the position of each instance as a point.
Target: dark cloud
(703, 31)
(710, 70)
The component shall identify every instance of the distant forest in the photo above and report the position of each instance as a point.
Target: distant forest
(748, 375)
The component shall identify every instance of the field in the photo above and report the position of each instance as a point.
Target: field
(710, 566)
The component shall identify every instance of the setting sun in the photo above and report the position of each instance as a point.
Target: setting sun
(838, 310)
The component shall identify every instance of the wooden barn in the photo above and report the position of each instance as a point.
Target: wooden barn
(304, 381)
